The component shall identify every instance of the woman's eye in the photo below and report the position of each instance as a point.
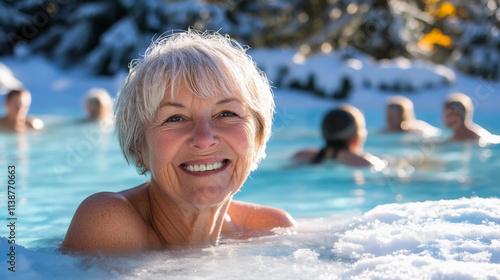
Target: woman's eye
(174, 119)
(228, 114)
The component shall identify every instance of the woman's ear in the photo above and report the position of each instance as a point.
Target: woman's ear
(354, 142)
(141, 164)
(358, 140)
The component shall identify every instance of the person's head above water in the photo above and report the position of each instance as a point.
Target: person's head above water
(207, 65)
(457, 115)
(344, 132)
(400, 117)
(194, 115)
(343, 125)
(399, 111)
(17, 103)
(458, 110)
(98, 104)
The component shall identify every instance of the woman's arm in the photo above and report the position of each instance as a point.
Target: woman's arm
(249, 216)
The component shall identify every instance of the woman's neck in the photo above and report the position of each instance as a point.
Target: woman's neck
(178, 224)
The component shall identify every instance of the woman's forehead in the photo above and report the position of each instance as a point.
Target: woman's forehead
(184, 98)
(183, 91)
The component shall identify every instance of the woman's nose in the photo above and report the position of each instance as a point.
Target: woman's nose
(204, 136)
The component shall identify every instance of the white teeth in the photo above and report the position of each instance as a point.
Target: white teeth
(203, 167)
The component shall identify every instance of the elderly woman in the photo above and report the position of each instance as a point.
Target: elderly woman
(400, 117)
(344, 132)
(195, 114)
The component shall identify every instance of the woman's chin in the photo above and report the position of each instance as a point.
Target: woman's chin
(210, 196)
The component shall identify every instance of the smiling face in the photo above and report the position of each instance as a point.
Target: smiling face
(199, 151)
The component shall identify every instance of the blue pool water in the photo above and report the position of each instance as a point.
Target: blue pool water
(57, 168)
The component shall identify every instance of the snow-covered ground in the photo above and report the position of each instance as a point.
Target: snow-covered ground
(372, 82)
(56, 91)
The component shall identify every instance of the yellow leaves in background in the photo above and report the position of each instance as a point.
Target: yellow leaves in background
(438, 9)
(446, 9)
(443, 10)
(435, 37)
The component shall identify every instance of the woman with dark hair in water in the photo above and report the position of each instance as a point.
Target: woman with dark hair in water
(344, 131)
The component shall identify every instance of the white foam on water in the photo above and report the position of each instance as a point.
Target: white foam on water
(446, 239)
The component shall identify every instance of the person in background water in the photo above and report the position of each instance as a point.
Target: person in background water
(457, 115)
(344, 131)
(17, 104)
(99, 106)
(400, 117)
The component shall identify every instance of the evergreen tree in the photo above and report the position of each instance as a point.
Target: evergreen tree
(106, 34)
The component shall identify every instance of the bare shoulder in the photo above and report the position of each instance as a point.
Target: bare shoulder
(251, 216)
(106, 221)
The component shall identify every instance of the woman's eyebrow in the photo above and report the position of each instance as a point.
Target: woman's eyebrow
(227, 100)
(220, 102)
(177, 105)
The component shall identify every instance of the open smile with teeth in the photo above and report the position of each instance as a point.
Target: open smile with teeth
(205, 167)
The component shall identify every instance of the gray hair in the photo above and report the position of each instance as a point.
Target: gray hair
(209, 64)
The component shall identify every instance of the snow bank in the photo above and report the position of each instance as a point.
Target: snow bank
(53, 88)
(335, 76)
(427, 240)
(56, 91)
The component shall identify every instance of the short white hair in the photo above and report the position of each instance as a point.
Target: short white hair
(209, 64)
